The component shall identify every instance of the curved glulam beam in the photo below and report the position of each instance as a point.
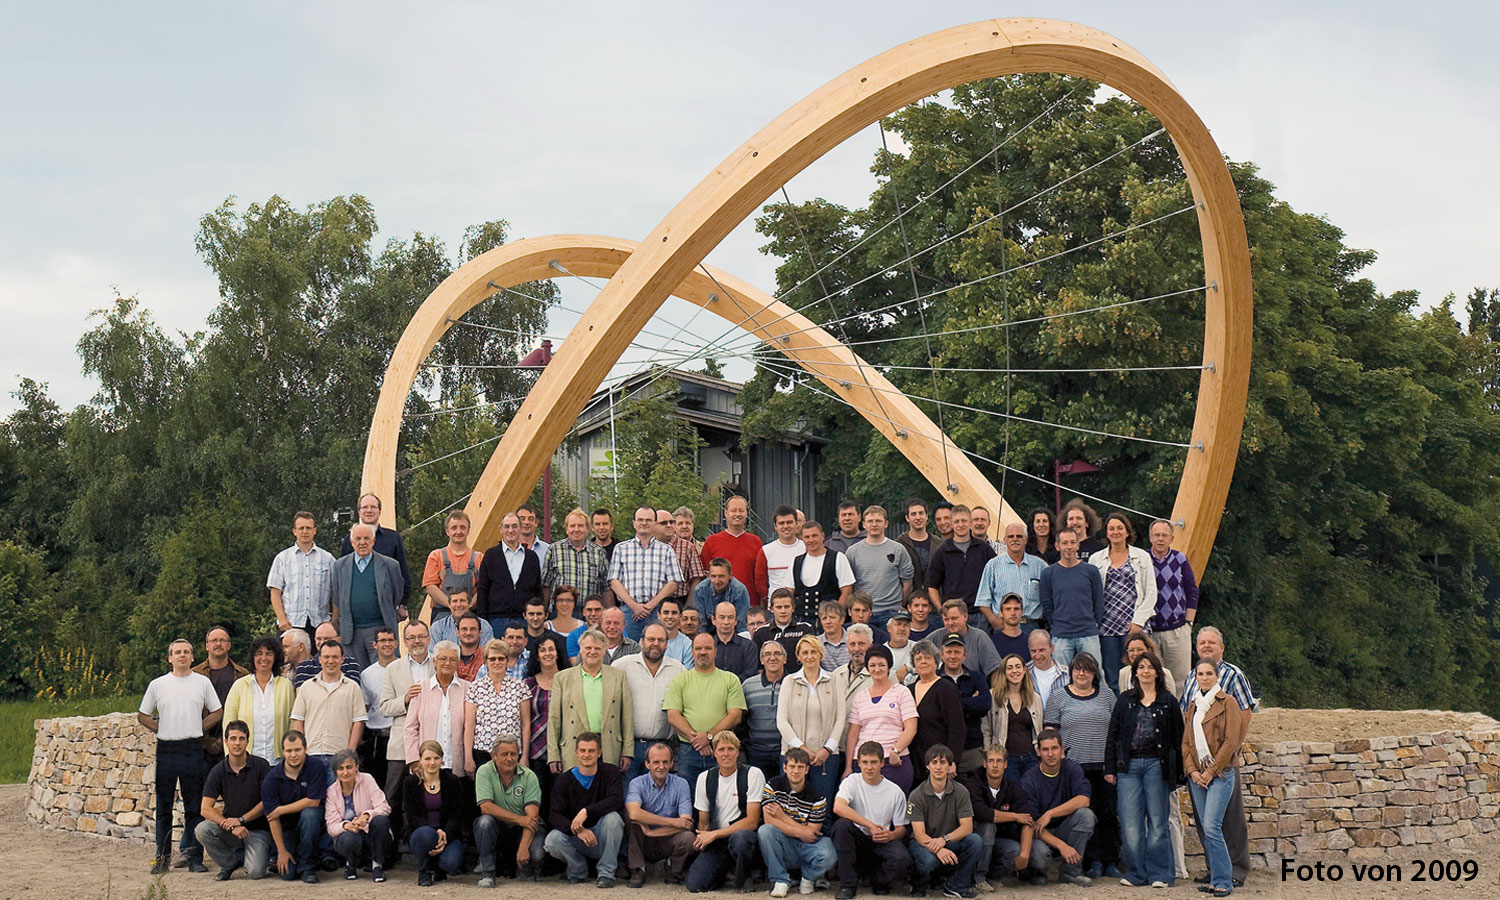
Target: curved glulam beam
(734, 300)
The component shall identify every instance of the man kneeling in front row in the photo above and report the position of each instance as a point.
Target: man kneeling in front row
(871, 829)
(237, 836)
(792, 836)
(1057, 796)
(508, 833)
(942, 828)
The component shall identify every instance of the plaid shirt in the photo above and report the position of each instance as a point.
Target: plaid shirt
(689, 562)
(586, 569)
(1232, 679)
(644, 569)
(306, 583)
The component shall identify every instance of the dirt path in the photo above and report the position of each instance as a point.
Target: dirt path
(50, 865)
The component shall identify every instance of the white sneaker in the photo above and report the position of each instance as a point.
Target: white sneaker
(807, 886)
(1159, 884)
(780, 889)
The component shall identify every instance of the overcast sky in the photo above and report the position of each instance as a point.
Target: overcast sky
(122, 127)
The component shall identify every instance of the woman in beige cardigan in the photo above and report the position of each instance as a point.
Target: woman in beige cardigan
(1211, 737)
(1016, 718)
(810, 714)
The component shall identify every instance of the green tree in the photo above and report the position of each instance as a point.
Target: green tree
(1344, 568)
(22, 590)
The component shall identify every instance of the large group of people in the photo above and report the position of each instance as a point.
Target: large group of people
(943, 709)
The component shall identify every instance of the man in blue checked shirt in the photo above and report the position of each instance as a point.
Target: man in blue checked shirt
(661, 818)
(1232, 679)
(643, 572)
(1012, 572)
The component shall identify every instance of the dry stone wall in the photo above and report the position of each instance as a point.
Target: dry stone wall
(1351, 799)
(96, 774)
(1358, 799)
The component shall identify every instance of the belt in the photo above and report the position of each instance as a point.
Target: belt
(381, 732)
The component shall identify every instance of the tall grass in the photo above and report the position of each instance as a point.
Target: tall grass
(18, 737)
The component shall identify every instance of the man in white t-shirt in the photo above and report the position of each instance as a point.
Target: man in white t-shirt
(179, 707)
(375, 745)
(782, 552)
(727, 800)
(869, 833)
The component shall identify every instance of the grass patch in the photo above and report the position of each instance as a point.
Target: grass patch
(18, 737)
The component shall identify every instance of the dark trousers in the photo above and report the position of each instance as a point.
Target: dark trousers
(179, 764)
(352, 845)
(1104, 846)
(887, 863)
(642, 850)
(395, 771)
(1235, 835)
(373, 747)
(739, 852)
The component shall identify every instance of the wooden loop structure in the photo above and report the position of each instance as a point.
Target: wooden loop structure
(743, 181)
(737, 301)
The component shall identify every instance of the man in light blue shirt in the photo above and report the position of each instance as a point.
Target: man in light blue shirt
(679, 645)
(1013, 572)
(446, 628)
(662, 802)
(721, 587)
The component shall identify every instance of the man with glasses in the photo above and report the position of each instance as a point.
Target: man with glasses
(387, 541)
(692, 567)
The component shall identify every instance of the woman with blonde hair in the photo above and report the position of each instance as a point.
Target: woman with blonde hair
(494, 705)
(810, 714)
(432, 799)
(1016, 718)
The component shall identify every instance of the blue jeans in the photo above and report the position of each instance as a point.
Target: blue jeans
(1211, 802)
(782, 852)
(740, 851)
(1143, 822)
(990, 845)
(1074, 829)
(1064, 649)
(691, 764)
(496, 839)
(309, 829)
(424, 841)
(1018, 764)
(634, 626)
(610, 831)
(1112, 650)
(255, 852)
(960, 875)
(824, 779)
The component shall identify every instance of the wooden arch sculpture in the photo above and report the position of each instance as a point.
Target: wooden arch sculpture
(815, 125)
(736, 301)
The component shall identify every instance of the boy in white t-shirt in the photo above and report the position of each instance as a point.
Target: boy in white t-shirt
(871, 829)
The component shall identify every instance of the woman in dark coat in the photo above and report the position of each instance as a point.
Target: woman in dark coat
(1143, 757)
(940, 711)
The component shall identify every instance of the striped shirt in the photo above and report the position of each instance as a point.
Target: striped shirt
(1082, 721)
(644, 568)
(306, 584)
(586, 569)
(761, 699)
(805, 807)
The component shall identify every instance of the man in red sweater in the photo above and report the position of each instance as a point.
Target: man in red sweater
(745, 552)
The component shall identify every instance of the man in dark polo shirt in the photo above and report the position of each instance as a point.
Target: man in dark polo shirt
(237, 835)
(292, 797)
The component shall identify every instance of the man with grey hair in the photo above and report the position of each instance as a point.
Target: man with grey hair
(179, 707)
(1233, 682)
(618, 646)
(368, 594)
(508, 833)
(296, 647)
(590, 698)
(852, 677)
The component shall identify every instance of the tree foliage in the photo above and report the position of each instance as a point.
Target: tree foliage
(1344, 571)
(155, 509)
